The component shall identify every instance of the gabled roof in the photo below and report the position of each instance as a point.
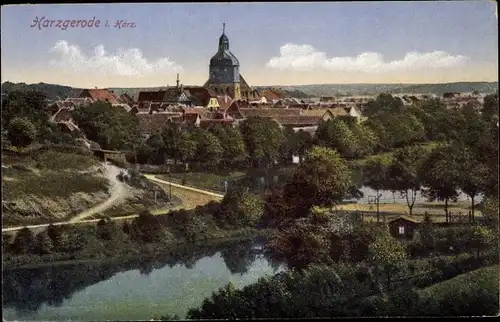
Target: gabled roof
(100, 95)
(62, 115)
(208, 123)
(126, 99)
(155, 121)
(316, 112)
(224, 102)
(270, 112)
(407, 218)
(298, 120)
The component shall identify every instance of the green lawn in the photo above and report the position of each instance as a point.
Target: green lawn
(206, 180)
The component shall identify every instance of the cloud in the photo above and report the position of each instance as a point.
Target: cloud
(306, 57)
(126, 62)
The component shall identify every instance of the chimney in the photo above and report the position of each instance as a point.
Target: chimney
(177, 80)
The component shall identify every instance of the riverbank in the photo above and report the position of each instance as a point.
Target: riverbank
(147, 251)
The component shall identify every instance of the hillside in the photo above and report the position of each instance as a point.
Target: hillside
(43, 186)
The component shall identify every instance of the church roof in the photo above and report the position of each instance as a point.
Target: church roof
(224, 57)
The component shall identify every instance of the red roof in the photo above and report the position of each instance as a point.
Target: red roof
(100, 95)
(63, 115)
(213, 122)
(151, 122)
(298, 120)
(270, 112)
(224, 102)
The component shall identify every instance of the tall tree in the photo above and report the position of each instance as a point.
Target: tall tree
(171, 134)
(387, 253)
(263, 138)
(440, 175)
(186, 148)
(472, 175)
(113, 128)
(336, 134)
(375, 174)
(232, 144)
(209, 149)
(404, 172)
(30, 104)
(324, 178)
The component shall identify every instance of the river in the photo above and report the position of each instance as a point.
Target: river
(135, 289)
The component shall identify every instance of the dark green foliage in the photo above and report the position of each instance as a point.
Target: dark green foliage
(239, 208)
(26, 104)
(21, 132)
(322, 179)
(263, 138)
(146, 228)
(23, 242)
(43, 243)
(112, 128)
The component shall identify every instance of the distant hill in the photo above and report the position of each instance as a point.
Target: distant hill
(373, 89)
(55, 92)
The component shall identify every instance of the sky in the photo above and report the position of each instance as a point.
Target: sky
(275, 43)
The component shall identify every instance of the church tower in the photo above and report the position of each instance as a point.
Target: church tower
(224, 70)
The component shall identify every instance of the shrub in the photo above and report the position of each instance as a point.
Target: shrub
(21, 132)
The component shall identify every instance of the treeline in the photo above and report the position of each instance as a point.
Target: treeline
(25, 120)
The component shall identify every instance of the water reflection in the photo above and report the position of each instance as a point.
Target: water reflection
(188, 276)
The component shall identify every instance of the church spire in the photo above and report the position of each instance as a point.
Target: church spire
(223, 40)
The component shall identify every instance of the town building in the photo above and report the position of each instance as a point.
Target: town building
(224, 74)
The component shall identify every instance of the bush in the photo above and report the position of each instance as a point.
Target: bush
(21, 132)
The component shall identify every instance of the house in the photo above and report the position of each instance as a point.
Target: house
(403, 227)
(155, 121)
(96, 95)
(325, 114)
(202, 96)
(272, 95)
(353, 111)
(126, 99)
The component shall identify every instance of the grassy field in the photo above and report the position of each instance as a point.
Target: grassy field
(46, 176)
(203, 180)
(433, 208)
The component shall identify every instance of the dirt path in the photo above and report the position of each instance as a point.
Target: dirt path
(191, 198)
(119, 192)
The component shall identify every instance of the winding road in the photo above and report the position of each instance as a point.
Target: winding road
(191, 198)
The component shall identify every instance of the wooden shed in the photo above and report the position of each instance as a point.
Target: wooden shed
(403, 227)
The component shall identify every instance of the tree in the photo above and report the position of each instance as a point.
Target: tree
(404, 172)
(113, 128)
(322, 179)
(472, 176)
(301, 244)
(375, 174)
(186, 148)
(387, 253)
(480, 238)
(171, 135)
(209, 149)
(156, 148)
(239, 208)
(43, 243)
(21, 132)
(427, 236)
(29, 104)
(263, 138)
(336, 134)
(384, 102)
(24, 242)
(367, 139)
(440, 175)
(234, 145)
